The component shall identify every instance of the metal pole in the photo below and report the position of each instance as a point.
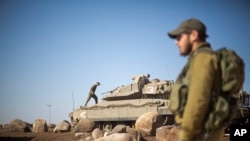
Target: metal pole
(49, 105)
(73, 102)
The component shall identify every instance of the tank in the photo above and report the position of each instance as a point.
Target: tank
(242, 115)
(124, 104)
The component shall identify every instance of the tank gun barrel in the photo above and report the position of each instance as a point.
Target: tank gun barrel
(107, 92)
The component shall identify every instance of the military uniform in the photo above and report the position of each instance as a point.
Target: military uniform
(200, 78)
(92, 94)
(195, 86)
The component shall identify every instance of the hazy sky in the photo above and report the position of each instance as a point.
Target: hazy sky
(53, 50)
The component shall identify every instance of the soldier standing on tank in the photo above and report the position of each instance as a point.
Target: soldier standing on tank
(92, 93)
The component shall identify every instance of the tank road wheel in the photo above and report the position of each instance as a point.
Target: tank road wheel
(107, 126)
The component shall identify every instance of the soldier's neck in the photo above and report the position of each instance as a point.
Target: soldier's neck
(196, 45)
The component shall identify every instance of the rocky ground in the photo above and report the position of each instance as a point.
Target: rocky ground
(50, 136)
(46, 136)
(148, 127)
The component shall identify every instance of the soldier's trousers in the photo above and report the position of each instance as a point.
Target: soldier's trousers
(93, 96)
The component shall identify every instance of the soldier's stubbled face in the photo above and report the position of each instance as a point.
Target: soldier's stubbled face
(184, 44)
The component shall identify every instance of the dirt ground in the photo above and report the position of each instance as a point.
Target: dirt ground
(46, 136)
(49, 136)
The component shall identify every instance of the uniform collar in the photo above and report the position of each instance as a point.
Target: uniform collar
(201, 45)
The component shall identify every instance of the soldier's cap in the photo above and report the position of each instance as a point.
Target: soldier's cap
(187, 26)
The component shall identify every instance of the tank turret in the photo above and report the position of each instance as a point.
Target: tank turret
(141, 87)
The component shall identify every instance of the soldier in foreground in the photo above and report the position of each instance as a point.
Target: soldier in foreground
(92, 93)
(196, 82)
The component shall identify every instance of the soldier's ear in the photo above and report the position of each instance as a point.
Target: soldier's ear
(194, 35)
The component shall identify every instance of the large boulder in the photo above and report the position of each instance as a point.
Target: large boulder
(85, 125)
(174, 134)
(126, 129)
(17, 125)
(117, 137)
(86, 136)
(63, 126)
(148, 122)
(163, 132)
(97, 133)
(119, 129)
(40, 125)
(135, 135)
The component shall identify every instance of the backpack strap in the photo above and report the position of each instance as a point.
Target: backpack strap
(217, 87)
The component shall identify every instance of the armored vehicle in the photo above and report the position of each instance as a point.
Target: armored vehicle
(242, 115)
(124, 104)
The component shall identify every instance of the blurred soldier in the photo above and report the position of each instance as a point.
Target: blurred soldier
(196, 82)
(92, 93)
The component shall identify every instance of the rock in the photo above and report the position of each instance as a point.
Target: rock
(63, 126)
(88, 138)
(97, 133)
(4, 127)
(135, 135)
(39, 126)
(106, 133)
(119, 129)
(174, 134)
(17, 125)
(51, 127)
(1, 127)
(163, 132)
(85, 125)
(117, 137)
(78, 134)
(147, 123)
(85, 136)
